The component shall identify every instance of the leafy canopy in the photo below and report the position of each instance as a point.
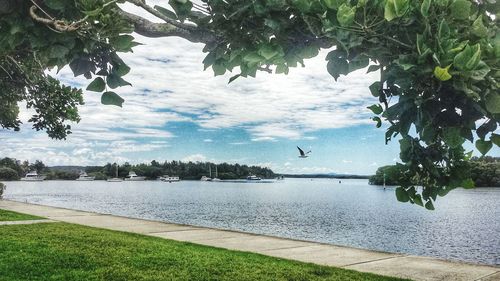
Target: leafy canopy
(438, 62)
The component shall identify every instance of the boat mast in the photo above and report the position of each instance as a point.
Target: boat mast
(216, 170)
(210, 170)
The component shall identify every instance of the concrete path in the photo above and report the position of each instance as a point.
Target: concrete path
(398, 265)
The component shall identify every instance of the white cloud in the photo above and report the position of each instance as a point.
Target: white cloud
(207, 140)
(195, 158)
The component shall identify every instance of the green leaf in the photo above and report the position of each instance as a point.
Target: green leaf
(336, 67)
(429, 205)
(234, 78)
(253, 57)
(282, 68)
(460, 9)
(181, 8)
(98, 85)
(378, 120)
(424, 9)
(372, 68)
(345, 15)
(310, 51)
(389, 11)
(58, 51)
(302, 5)
(494, 138)
(442, 73)
(417, 199)
(122, 43)
(452, 137)
(111, 98)
(115, 81)
(166, 12)
(402, 195)
(376, 108)
(395, 9)
(483, 146)
(333, 4)
(209, 60)
(267, 51)
(478, 28)
(375, 89)
(81, 65)
(218, 69)
(468, 58)
(492, 101)
(121, 69)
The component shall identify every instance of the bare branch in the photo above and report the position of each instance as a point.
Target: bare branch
(142, 4)
(151, 29)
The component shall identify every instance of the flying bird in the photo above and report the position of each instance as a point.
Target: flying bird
(302, 154)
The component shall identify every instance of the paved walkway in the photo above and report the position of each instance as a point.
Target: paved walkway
(398, 265)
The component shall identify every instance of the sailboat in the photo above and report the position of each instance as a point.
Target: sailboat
(116, 178)
(205, 178)
(215, 179)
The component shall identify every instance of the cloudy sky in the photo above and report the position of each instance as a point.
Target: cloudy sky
(177, 111)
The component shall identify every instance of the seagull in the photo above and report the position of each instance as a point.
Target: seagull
(302, 154)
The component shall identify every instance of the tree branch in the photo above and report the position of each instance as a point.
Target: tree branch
(148, 28)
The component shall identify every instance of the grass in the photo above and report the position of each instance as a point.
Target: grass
(61, 251)
(13, 216)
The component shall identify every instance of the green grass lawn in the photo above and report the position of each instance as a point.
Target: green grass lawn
(13, 216)
(61, 251)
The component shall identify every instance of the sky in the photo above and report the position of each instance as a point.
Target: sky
(176, 111)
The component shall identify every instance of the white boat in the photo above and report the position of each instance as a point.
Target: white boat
(132, 176)
(84, 177)
(205, 178)
(116, 178)
(168, 178)
(253, 178)
(209, 178)
(33, 176)
(216, 178)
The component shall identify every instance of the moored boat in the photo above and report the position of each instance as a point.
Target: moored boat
(168, 178)
(33, 176)
(253, 178)
(84, 177)
(132, 176)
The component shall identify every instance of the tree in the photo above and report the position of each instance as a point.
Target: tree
(8, 174)
(438, 63)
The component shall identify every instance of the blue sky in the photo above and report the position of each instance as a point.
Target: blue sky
(177, 111)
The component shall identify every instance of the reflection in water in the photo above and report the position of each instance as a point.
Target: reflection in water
(465, 225)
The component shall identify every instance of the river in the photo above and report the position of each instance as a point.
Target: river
(465, 225)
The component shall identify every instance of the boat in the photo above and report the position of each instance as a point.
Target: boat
(253, 178)
(209, 178)
(132, 176)
(84, 177)
(205, 178)
(216, 178)
(168, 178)
(116, 178)
(33, 176)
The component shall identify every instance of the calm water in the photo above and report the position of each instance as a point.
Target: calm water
(465, 225)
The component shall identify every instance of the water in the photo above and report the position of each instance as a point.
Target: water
(465, 225)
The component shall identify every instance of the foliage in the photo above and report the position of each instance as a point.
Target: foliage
(484, 172)
(79, 253)
(61, 175)
(438, 63)
(2, 189)
(184, 170)
(8, 174)
(391, 173)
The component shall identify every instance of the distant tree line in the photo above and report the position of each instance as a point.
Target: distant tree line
(12, 169)
(484, 171)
